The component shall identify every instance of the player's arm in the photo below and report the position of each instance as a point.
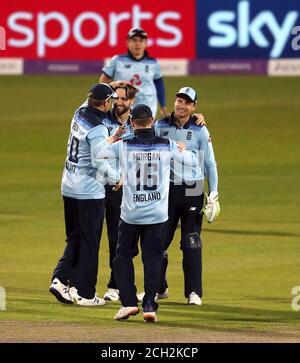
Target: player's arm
(108, 71)
(120, 131)
(104, 78)
(113, 151)
(96, 138)
(183, 156)
(100, 155)
(161, 95)
(160, 90)
(210, 164)
(212, 206)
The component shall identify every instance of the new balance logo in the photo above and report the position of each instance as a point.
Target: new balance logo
(164, 133)
(127, 65)
(189, 135)
(192, 209)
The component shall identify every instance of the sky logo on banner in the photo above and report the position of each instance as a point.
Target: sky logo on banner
(245, 28)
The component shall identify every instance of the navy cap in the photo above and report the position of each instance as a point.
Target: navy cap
(141, 112)
(101, 92)
(137, 32)
(188, 92)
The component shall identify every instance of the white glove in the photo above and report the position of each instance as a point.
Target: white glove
(212, 206)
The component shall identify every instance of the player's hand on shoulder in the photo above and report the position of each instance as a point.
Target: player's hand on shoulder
(199, 119)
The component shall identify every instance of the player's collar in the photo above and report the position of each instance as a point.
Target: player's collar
(97, 112)
(145, 133)
(173, 123)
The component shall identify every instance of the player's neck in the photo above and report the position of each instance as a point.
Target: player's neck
(101, 108)
(138, 56)
(123, 118)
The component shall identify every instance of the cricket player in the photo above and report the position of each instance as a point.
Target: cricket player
(119, 116)
(75, 276)
(145, 164)
(140, 69)
(186, 197)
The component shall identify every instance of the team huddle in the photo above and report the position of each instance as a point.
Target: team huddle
(142, 176)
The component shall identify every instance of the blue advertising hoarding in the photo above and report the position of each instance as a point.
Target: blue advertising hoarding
(258, 29)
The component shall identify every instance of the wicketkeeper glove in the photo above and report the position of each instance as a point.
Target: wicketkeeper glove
(212, 206)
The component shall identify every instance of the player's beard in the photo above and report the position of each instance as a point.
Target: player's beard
(121, 110)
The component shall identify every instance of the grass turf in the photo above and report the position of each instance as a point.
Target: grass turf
(251, 253)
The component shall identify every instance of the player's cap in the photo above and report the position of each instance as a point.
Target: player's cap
(141, 112)
(102, 92)
(137, 32)
(188, 92)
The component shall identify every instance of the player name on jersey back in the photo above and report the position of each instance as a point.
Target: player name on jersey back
(146, 156)
(146, 174)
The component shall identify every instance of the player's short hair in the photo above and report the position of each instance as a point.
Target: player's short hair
(141, 115)
(93, 102)
(129, 88)
(143, 122)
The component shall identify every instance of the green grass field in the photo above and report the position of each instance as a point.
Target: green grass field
(251, 253)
